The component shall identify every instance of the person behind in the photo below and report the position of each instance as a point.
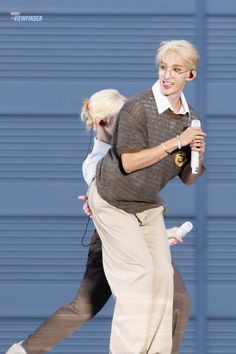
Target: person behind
(151, 145)
(94, 290)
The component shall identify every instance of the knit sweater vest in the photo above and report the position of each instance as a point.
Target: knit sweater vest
(140, 126)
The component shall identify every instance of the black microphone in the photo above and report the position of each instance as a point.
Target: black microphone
(195, 154)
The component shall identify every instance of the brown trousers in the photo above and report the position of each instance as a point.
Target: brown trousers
(93, 294)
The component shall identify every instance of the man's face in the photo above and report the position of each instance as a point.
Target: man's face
(173, 74)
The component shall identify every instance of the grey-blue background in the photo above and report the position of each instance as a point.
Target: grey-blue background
(46, 69)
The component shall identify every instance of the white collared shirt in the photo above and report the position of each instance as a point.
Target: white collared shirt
(89, 165)
(163, 103)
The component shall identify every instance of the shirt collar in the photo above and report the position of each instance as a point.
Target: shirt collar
(163, 103)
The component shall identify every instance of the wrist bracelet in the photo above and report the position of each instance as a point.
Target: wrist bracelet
(178, 141)
(165, 149)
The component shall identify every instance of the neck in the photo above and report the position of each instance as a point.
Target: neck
(175, 103)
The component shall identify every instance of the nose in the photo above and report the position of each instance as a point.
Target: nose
(167, 74)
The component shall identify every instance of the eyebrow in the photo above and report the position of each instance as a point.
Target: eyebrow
(174, 65)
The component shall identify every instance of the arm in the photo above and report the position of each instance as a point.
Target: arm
(102, 144)
(100, 148)
(137, 160)
(146, 157)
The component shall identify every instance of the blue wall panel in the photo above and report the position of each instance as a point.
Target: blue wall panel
(47, 68)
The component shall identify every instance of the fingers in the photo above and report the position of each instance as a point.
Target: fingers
(173, 237)
(82, 197)
(198, 144)
(189, 134)
(174, 241)
(87, 210)
(198, 136)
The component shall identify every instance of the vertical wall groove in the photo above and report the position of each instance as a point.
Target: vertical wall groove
(201, 199)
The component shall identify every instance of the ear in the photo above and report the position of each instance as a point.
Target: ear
(102, 122)
(192, 75)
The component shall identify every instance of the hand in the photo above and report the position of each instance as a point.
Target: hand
(86, 208)
(198, 145)
(173, 238)
(174, 241)
(190, 134)
(104, 132)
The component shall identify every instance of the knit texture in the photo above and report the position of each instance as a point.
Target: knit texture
(140, 126)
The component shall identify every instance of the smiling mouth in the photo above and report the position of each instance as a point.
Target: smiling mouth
(167, 84)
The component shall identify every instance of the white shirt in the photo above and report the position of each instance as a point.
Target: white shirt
(90, 163)
(163, 103)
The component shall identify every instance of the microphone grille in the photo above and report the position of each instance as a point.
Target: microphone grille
(196, 123)
(184, 229)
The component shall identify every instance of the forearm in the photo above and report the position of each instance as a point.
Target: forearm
(147, 157)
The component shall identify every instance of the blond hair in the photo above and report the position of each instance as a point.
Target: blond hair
(101, 105)
(184, 49)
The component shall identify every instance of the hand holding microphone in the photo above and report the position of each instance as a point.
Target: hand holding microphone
(194, 137)
(182, 231)
(195, 159)
(176, 234)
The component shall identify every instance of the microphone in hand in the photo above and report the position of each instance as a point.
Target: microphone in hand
(195, 158)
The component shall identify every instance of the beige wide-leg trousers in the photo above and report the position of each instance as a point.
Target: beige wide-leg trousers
(137, 264)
